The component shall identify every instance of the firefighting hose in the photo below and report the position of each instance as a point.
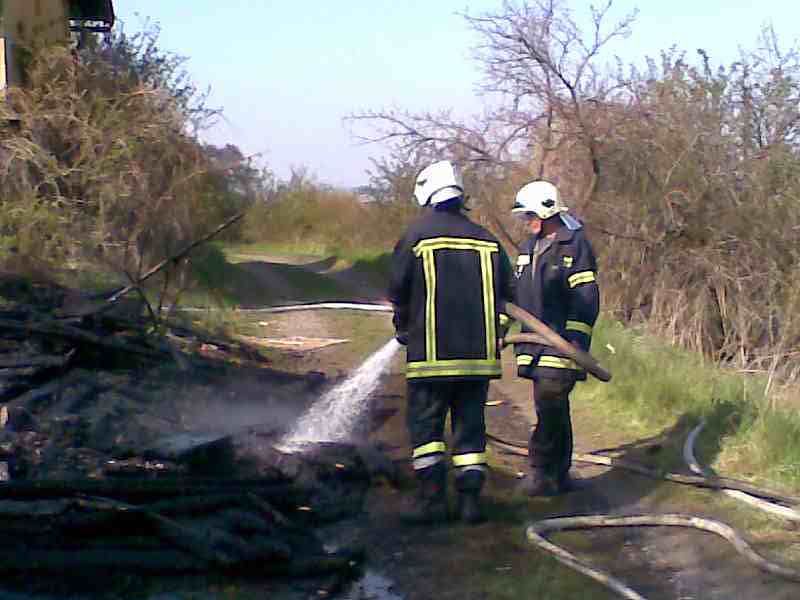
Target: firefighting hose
(770, 501)
(535, 532)
(544, 335)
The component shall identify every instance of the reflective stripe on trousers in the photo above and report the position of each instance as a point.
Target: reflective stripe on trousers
(429, 454)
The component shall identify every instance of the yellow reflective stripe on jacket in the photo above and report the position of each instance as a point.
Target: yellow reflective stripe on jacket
(523, 360)
(579, 326)
(488, 302)
(432, 366)
(429, 266)
(453, 368)
(556, 362)
(429, 448)
(504, 319)
(454, 243)
(579, 278)
(466, 460)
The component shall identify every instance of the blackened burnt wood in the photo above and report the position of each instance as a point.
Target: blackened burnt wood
(56, 329)
(122, 559)
(149, 490)
(21, 362)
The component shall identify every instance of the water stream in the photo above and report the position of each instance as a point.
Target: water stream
(333, 417)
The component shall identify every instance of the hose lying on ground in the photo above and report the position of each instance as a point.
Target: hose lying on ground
(368, 306)
(535, 534)
(752, 500)
(694, 480)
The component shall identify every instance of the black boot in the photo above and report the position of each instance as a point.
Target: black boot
(537, 483)
(469, 508)
(469, 486)
(567, 484)
(430, 505)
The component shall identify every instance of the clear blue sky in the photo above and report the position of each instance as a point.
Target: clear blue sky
(286, 72)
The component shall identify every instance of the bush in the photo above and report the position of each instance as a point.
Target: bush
(686, 173)
(105, 168)
(320, 221)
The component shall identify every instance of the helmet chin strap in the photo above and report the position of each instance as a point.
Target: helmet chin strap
(570, 222)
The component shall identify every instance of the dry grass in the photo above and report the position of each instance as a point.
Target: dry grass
(104, 170)
(311, 219)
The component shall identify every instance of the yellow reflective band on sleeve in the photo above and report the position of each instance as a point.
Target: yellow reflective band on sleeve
(454, 368)
(567, 261)
(504, 319)
(579, 278)
(429, 266)
(523, 360)
(556, 362)
(579, 326)
(466, 460)
(429, 448)
(488, 303)
(451, 243)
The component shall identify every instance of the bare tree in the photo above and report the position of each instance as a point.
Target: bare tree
(552, 88)
(537, 56)
(686, 171)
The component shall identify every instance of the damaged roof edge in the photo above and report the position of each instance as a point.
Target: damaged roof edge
(93, 10)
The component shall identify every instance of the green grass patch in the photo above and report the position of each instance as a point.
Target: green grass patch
(289, 250)
(310, 249)
(656, 386)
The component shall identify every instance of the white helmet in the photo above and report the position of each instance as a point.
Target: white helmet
(438, 183)
(540, 198)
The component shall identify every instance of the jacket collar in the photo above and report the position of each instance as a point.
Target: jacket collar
(563, 235)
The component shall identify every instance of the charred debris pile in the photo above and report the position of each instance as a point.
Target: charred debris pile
(98, 452)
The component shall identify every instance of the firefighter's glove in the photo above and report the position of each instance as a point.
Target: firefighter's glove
(401, 337)
(502, 331)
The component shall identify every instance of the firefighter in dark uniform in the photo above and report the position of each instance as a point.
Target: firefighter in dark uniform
(448, 279)
(557, 283)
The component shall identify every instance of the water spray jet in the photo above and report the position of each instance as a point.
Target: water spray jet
(334, 416)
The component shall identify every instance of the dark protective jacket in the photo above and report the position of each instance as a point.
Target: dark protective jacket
(448, 278)
(558, 285)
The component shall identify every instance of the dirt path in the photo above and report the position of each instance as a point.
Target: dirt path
(278, 279)
(493, 561)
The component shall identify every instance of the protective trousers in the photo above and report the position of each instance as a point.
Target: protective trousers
(550, 445)
(428, 403)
